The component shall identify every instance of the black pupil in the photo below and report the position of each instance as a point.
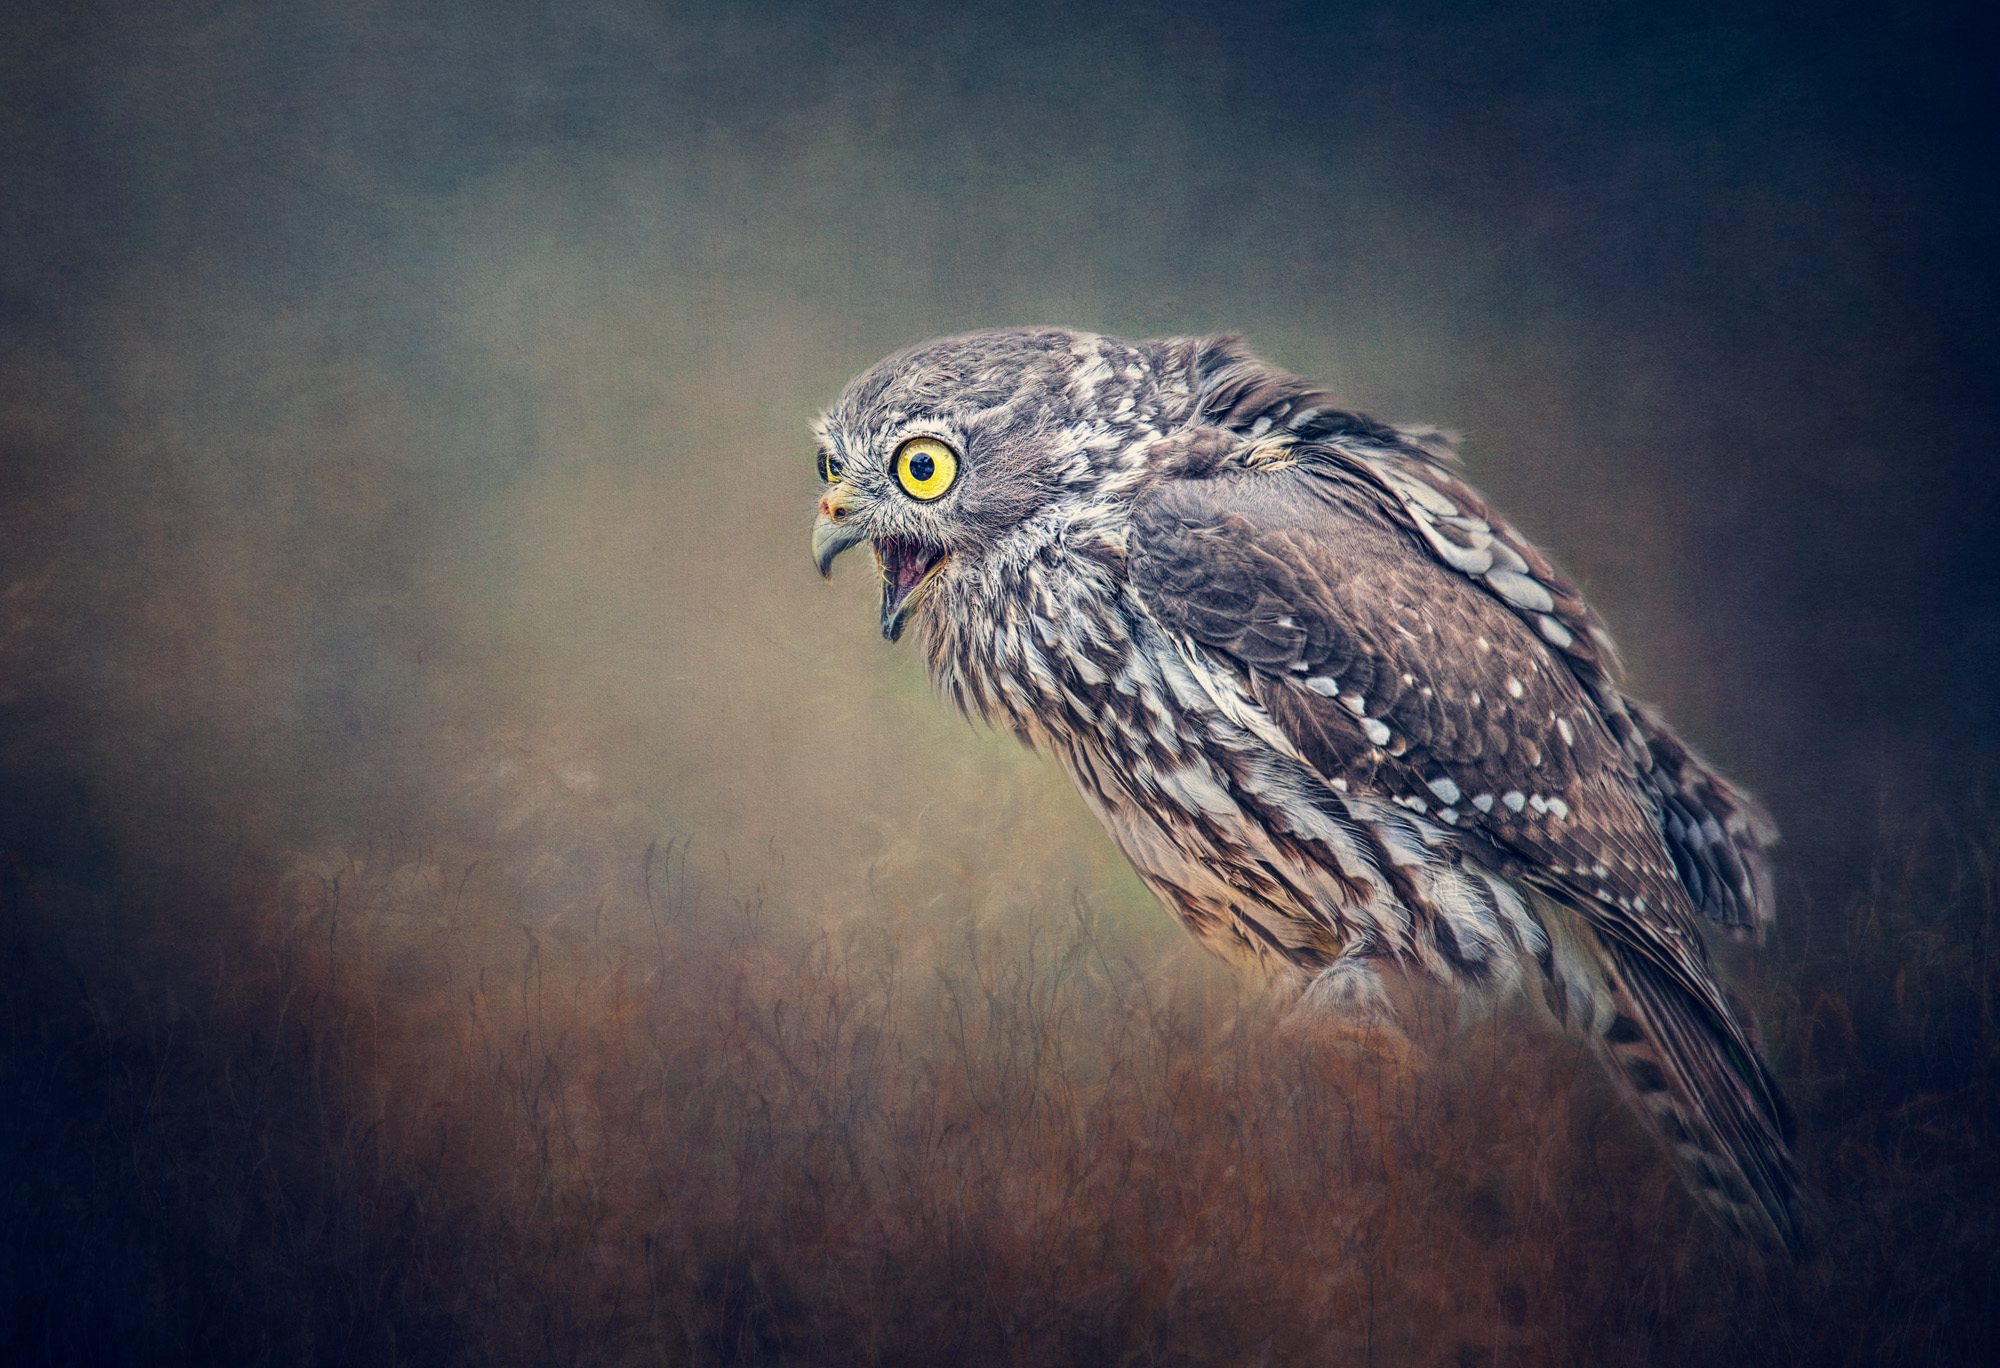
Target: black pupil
(922, 467)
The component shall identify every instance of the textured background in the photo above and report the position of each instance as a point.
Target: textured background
(402, 428)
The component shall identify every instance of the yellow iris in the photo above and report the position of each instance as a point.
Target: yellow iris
(831, 467)
(925, 467)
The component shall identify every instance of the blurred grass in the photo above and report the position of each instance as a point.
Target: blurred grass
(401, 1121)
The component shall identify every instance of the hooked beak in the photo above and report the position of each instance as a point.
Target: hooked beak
(832, 532)
(830, 538)
(907, 564)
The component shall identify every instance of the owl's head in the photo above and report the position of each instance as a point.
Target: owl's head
(989, 447)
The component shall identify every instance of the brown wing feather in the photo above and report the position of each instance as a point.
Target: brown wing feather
(1714, 833)
(1384, 666)
(1300, 577)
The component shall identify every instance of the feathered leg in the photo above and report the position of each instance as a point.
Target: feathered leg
(1349, 1001)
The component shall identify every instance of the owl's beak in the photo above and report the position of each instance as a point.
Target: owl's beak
(830, 538)
(908, 567)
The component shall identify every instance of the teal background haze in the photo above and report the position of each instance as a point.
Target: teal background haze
(373, 371)
(403, 408)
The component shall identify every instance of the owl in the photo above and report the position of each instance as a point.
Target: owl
(1343, 719)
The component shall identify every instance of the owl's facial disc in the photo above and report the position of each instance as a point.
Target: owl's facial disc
(908, 567)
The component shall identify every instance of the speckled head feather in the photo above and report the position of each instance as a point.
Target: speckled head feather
(1342, 718)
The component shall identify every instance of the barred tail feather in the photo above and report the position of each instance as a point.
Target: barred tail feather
(1700, 1084)
(1690, 1073)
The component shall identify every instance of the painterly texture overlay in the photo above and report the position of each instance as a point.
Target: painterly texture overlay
(470, 893)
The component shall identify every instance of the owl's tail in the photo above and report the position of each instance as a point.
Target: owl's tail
(1691, 1072)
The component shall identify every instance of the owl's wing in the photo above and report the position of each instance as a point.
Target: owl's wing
(1714, 834)
(1390, 669)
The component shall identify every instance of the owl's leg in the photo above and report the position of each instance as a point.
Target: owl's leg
(1351, 991)
(1349, 1001)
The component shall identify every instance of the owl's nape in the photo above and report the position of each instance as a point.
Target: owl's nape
(1341, 717)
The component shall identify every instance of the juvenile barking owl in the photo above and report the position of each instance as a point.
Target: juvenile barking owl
(1340, 716)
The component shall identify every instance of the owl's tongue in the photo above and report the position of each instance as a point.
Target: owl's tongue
(905, 563)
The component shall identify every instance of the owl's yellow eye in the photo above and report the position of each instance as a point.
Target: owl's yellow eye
(831, 467)
(925, 467)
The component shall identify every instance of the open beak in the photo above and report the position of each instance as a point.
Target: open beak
(908, 566)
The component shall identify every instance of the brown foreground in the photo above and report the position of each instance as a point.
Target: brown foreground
(387, 1123)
